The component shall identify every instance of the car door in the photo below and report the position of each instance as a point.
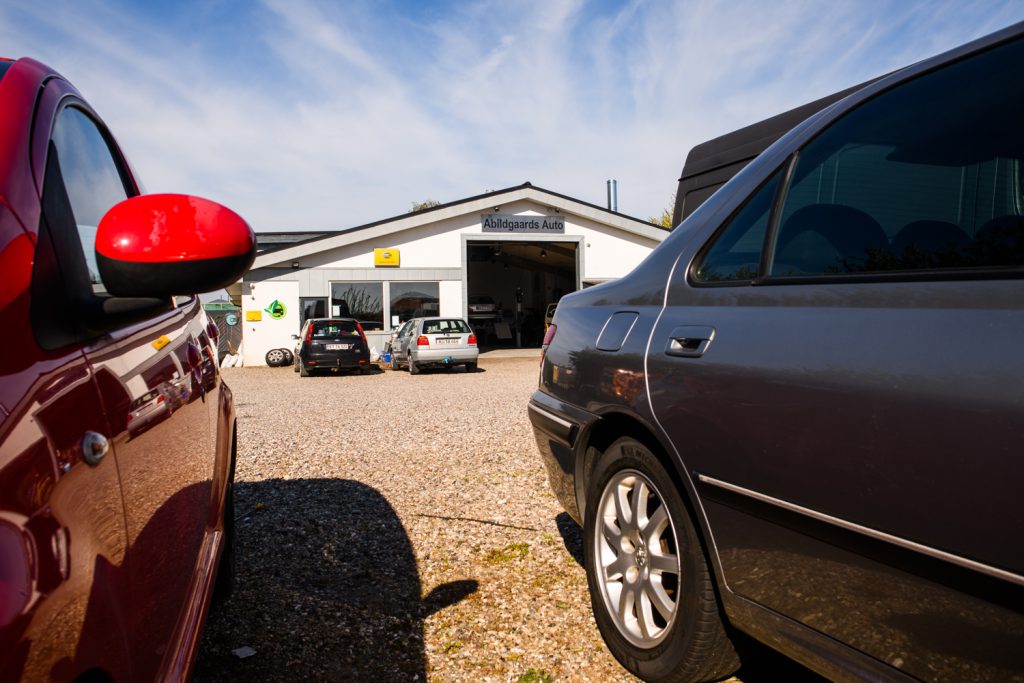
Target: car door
(404, 337)
(62, 528)
(157, 395)
(840, 369)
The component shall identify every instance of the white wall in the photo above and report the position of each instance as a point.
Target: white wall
(609, 252)
(269, 333)
(451, 298)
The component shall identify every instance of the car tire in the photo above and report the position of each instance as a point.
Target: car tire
(275, 358)
(471, 367)
(662, 562)
(413, 368)
(288, 357)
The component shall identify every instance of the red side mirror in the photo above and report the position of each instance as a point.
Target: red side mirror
(165, 244)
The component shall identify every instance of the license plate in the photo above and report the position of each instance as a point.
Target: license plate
(338, 347)
(447, 340)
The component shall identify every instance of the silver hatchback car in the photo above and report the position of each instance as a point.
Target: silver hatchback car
(434, 342)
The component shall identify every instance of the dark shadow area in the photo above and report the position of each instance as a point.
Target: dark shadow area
(572, 536)
(327, 589)
(762, 664)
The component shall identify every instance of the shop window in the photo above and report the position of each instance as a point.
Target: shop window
(359, 300)
(312, 307)
(414, 300)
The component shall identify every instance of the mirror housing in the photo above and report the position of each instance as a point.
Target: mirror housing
(162, 245)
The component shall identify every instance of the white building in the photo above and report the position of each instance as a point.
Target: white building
(522, 243)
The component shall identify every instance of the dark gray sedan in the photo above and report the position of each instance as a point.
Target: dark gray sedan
(802, 417)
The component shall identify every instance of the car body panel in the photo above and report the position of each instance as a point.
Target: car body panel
(97, 596)
(849, 449)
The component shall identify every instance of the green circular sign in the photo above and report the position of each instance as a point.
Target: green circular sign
(231, 319)
(276, 310)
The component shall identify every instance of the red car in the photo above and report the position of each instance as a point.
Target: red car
(111, 534)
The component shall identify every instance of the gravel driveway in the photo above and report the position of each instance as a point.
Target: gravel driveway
(393, 527)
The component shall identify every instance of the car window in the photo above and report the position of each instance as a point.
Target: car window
(735, 252)
(91, 179)
(334, 330)
(926, 176)
(445, 327)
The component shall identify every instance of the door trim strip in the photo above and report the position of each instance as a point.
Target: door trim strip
(867, 531)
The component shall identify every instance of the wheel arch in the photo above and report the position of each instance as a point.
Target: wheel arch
(613, 425)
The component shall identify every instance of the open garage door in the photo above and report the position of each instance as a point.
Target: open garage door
(541, 272)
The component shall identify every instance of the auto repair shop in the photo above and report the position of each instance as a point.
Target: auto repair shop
(497, 259)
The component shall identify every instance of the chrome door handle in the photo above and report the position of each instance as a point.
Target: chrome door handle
(690, 341)
(94, 447)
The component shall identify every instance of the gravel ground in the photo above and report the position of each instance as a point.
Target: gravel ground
(399, 528)
(393, 527)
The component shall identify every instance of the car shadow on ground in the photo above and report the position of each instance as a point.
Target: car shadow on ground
(327, 589)
(760, 663)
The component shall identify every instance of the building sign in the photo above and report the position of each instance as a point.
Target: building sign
(385, 257)
(276, 309)
(253, 316)
(502, 222)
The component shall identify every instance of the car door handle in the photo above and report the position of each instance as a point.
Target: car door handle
(690, 341)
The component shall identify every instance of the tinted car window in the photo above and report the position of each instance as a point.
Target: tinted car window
(735, 254)
(334, 330)
(445, 326)
(925, 176)
(91, 178)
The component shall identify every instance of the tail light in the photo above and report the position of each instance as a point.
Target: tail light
(309, 335)
(422, 341)
(472, 340)
(159, 399)
(361, 333)
(549, 337)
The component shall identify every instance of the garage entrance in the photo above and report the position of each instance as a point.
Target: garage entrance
(540, 273)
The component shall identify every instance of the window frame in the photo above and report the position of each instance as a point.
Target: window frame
(771, 232)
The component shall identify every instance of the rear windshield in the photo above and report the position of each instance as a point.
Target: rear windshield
(445, 327)
(335, 330)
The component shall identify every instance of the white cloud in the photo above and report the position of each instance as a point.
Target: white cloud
(327, 115)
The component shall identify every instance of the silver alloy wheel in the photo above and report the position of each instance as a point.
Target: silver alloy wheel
(639, 570)
(275, 357)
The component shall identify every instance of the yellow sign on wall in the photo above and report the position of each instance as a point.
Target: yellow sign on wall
(253, 316)
(385, 257)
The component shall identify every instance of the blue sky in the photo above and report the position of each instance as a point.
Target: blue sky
(325, 115)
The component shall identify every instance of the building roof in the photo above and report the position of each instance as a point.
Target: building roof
(478, 204)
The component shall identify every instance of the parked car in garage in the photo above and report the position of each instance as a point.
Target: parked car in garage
(116, 432)
(801, 417)
(434, 342)
(330, 345)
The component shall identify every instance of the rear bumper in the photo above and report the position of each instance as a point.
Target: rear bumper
(345, 359)
(443, 356)
(557, 427)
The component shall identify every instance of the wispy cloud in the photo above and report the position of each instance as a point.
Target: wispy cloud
(306, 114)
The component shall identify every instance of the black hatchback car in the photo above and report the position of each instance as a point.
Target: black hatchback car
(802, 417)
(331, 344)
